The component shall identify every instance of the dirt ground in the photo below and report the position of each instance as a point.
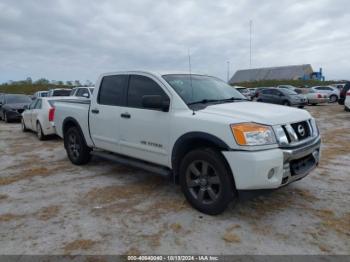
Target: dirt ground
(49, 206)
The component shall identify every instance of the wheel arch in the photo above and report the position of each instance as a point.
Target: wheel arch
(193, 140)
(71, 122)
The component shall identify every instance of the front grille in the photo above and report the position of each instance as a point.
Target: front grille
(20, 111)
(302, 130)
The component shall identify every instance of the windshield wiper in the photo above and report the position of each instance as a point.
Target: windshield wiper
(205, 101)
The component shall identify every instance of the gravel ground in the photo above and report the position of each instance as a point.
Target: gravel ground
(49, 206)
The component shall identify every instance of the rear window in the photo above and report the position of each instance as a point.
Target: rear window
(112, 90)
(61, 92)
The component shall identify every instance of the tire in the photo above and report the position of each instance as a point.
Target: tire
(346, 109)
(23, 126)
(208, 191)
(258, 100)
(5, 118)
(333, 99)
(39, 132)
(314, 104)
(77, 150)
(286, 103)
(300, 106)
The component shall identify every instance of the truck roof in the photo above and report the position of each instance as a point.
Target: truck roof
(155, 73)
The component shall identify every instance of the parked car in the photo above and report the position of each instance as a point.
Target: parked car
(82, 91)
(40, 94)
(38, 117)
(312, 96)
(244, 91)
(12, 106)
(347, 101)
(59, 92)
(343, 93)
(282, 96)
(195, 129)
(253, 92)
(331, 91)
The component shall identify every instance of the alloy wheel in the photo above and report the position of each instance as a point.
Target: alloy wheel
(203, 182)
(73, 145)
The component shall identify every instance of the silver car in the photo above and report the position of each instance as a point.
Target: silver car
(312, 96)
(332, 92)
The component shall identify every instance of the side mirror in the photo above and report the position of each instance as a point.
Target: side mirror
(86, 95)
(155, 102)
(26, 107)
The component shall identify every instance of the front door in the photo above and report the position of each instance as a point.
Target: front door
(145, 132)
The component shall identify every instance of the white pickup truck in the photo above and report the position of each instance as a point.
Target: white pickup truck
(194, 128)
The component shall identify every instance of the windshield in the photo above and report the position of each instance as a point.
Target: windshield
(288, 92)
(44, 94)
(18, 99)
(196, 88)
(61, 92)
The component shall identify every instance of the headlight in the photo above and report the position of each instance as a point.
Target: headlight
(314, 127)
(250, 134)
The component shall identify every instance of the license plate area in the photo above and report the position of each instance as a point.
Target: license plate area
(303, 165)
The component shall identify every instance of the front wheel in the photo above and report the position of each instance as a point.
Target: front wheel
(39, 132)
(6, 118)
(23, 126)
(206, 181)
(286, 103)
(77, 150)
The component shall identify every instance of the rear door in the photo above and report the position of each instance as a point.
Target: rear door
(27, 114)
(145, 132)
(35, 112)
(104, 115)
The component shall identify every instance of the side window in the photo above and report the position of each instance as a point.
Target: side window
(38, 104)
(82, 91)
(112, 90)
(140, 86)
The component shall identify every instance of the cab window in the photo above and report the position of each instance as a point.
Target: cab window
(112, 90)
(140, 86)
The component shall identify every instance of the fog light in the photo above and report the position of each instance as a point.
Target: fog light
(271, 173)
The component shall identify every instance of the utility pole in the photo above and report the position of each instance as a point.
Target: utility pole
(250, 43)
(228, 71)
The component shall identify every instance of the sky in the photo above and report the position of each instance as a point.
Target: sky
(80, 39)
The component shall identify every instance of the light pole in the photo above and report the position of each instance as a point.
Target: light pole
(228, 71)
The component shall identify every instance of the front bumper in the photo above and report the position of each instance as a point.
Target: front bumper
(273, 168)
(13, 115)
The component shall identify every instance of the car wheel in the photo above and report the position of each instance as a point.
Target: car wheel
(300, 106)
(346, 109)
(333, 99)
(39, 132)
(286, 103)
(206, 181)
(23, 125)
(6, 118)
(314, 104)
(77, 150)
(259, 100)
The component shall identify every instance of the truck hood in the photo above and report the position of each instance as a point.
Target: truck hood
(257, 112)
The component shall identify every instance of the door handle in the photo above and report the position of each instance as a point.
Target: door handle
(95, 111)
(125, 115)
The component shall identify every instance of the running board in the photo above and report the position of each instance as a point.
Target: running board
(163, 171)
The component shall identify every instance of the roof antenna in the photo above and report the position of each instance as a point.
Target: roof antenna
(189, 69)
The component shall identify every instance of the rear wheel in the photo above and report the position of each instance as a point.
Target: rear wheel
(333, 99)
(77, 150)
(206, 181)
(314, 104)
(39, 132)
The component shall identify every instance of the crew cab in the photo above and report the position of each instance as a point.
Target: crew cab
(194, 128)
